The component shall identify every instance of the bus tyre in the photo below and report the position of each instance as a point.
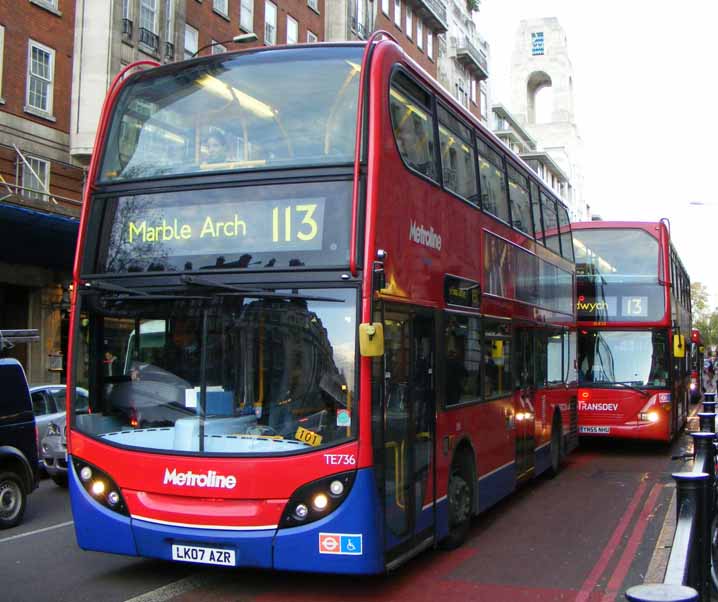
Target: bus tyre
(459, 508)
(556, 448)
(12, 500)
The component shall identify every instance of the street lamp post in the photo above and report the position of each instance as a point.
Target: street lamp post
(243, 38)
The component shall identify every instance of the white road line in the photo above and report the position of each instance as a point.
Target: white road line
(172, 590)
(36, 531)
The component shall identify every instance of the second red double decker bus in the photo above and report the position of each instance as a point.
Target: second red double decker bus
(634, 325)
(335, 341)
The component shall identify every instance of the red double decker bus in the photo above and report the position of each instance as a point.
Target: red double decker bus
(324, 316)
(697, 351)
(634, 329)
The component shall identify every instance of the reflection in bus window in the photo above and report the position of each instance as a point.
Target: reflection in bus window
(413, 128)
(297, 109)
(497, 358)
(520, 203)
(463, 355)
(457, 156)
(493, 184)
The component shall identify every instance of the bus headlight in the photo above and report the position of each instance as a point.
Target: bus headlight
(651, 416)
(316, 500)
(97, 484)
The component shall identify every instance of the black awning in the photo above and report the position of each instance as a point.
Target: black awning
(32, 237)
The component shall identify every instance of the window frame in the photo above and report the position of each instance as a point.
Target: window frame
(314, 5)
(385, 7)
(169, 21)
(314, 37)
(245, 10)
(25, 173)
(267, 4)
(397, 13)
(155, 16)
(430, 110)
(291, 20)
(218, 10)
(439, 106)
(430, 44)
(50, 83)
(465, 313)
(2, 54)
(409, 22)
(188, 52)
(419, 34)
(508, 389)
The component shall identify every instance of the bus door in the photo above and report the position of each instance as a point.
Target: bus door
(409, 425)
(524, 402)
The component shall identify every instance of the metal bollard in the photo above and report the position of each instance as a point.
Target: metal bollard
(709, 405)
(661, 592)
(707, 422)
(693, 491)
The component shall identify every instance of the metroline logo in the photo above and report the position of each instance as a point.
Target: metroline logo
(191, 479)
(422, 236)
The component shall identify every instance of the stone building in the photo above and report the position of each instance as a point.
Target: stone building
(542, 102)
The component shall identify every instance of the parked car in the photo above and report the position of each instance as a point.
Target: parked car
(48, 404)
(53, 450)
(18, 443)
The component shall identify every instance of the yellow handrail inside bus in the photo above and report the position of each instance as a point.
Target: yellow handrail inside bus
(398, 471)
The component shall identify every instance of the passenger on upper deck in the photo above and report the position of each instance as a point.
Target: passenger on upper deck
(216, 145)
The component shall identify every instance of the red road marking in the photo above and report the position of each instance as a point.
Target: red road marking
(600, 566)
(629, 553)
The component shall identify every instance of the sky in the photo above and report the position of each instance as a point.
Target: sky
(646, 103)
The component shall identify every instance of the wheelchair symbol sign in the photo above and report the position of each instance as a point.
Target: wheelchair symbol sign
(350, 544)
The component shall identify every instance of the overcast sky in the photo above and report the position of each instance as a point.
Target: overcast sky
(646, 101)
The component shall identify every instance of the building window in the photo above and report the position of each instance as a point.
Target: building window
(314, 5)
(127, 10)
(270, 23)
(420, 33)
(292, 30)
(430, 45)
(312, 37)
(220, 6)
(246, 15)
(148, 15)
(359, 19)
(35, 178)
(397, 13)
(169, 20)
(191, 41)
(473, 90)
(218, 48)
(2, 52)
(40, 74)
(409, 21)
(483, 101)
(385, 7)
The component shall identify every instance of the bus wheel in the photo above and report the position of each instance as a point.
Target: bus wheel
(556, 447)
(459, 508)
(12, 500)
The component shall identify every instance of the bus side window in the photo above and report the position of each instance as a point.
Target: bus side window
(494, 196)
(463, 366)
(413, 127)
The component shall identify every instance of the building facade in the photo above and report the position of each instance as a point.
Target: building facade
(40, 186)
(543, 104)
(463, 60)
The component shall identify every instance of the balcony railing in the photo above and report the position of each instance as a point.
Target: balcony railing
(169, 51)
(433, 13)
(471, 57)
(359, 29)
(127, 28)
(149, 39)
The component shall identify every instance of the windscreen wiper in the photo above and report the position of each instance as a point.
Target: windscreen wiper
(103, 285)
(250, 292)
(618, 383)
(127, 294)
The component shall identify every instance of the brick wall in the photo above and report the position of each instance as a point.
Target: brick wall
(24, 20)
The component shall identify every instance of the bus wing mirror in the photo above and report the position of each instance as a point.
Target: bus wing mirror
(371, 339)
(679, 345)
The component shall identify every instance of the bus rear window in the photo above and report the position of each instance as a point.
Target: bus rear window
(293, 107)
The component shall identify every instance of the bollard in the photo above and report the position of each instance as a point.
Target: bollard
(707, 422)
(661, 592)
(694, 490)
(709, 405)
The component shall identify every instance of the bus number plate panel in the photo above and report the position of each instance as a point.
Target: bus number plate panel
(603, 430)
(203, 555)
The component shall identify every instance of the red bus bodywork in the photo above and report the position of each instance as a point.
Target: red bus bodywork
(497, 442)
(655, 412)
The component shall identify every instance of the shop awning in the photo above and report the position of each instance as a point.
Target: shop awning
(32, 237)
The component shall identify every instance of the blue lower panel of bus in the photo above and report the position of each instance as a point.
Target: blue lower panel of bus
(346, 541)
(542, 459)
(497, 485)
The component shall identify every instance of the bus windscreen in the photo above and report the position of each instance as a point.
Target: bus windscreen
(288, 108)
